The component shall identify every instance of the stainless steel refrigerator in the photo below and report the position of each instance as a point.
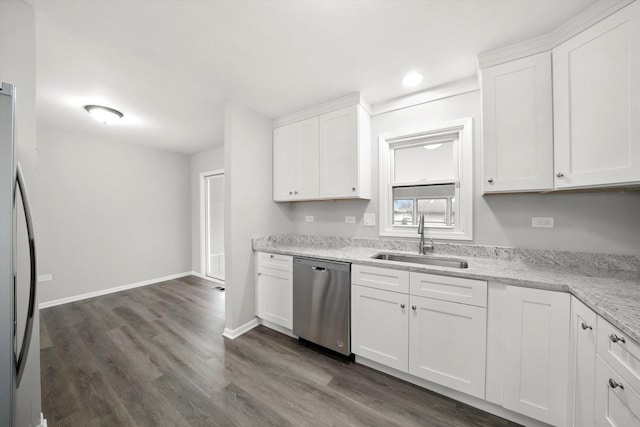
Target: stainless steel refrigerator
(18, 308)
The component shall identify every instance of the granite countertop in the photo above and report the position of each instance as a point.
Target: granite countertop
(608, 284)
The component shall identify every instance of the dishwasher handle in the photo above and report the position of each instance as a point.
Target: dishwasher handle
(316, 268)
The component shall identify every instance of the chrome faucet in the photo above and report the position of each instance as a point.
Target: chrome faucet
(422, 249)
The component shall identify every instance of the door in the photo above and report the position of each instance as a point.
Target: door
(283, 163)
(582, 355)
(380, 326)
(448, 344)
(275, 299)
(517, 121)
(596, 77)
(536, 354)
(339, 153)
(214, 226)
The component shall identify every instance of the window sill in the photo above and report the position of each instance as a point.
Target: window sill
(444, 234)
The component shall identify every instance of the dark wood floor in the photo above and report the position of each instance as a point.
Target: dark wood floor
(155, 356)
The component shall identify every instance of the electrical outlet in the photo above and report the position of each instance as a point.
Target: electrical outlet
(369, 219)
(349, 219)
(542, 222)
(308, 218)
(45, 277)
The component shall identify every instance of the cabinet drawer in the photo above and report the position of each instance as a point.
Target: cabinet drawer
(619, 351)
(380, 278)
(454, 289)
(275, 261)
(616, 402)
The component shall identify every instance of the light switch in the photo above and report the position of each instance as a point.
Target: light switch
(349, 219)
(369, 219)
(308, 218)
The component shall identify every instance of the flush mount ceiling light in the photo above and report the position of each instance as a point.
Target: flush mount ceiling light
(412, 79)
(103, 114)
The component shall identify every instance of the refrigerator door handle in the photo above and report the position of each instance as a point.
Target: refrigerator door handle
(21, 358)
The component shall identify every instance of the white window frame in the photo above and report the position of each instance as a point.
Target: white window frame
(461, 132)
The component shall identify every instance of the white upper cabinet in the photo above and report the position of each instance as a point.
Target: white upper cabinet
(597, 103)
(295, 161)
(345, 161)
(323, 153)
(568, 117)
(518, 125)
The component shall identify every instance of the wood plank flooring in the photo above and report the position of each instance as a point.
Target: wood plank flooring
(155, 356)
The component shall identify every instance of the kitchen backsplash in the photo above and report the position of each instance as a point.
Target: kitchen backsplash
(528, 256)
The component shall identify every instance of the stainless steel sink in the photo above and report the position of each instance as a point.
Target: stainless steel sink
(423, 259)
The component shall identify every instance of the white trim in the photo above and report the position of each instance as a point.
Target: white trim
(277, 328)
(453, 394)
(66, 300)
(232, 334)
(43, 421)
(325, 107)
(464, 231)
(205, 277)
(436, 93)
(203, 214)
(594, 14)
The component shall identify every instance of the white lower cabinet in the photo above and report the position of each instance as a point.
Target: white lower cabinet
(582, 365)
(440, 341)
(448, 344)
(274, 289)
(617, 404)
(536, 354)
(379, 321)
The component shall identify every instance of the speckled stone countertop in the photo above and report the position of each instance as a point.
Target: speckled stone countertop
(608, 284)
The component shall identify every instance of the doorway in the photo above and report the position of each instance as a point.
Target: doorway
(213, 225)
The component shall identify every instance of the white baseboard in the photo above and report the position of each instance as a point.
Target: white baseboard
(205, 277)
(232, 334)
(43, 421)
(277, 328)
(110, 290)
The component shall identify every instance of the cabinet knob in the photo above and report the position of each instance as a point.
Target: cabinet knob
(413, 307)
(271, 256)
(295, 192)
(490, 180)
(290, 193)
(614, 384)
(615, 338)
(559, 174)
(585, 326)
(353, 188)
(401, 305)
(259, 274)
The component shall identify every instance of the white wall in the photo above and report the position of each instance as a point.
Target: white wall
(17, 66)
(112, 213)
(201, 162)
(592, 222)
(249, 207)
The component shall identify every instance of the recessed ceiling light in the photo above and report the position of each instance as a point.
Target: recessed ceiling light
(103, 114)
(412, 79)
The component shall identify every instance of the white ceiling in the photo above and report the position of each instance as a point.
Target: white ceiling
(170, 66)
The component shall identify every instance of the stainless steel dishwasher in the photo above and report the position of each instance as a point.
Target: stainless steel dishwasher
(322, 302)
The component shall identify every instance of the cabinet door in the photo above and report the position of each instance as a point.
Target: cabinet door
(617, 404)
(380, 326)
(448, 344)
(284, 162)
(517, 120)
(275, 296)
(597, 103)
(582, 360)
(536, 353)
(339, 153)
(306, 179)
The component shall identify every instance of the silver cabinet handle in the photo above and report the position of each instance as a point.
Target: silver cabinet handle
(614, 384)
(413, 307)
(585, 326)
(615, 338)
(401, 305)
(490, 180)
(559, 174)
(21, 358)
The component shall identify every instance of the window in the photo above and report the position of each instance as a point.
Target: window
(428, 171)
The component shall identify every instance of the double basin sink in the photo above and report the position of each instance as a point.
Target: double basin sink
(422, 259)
